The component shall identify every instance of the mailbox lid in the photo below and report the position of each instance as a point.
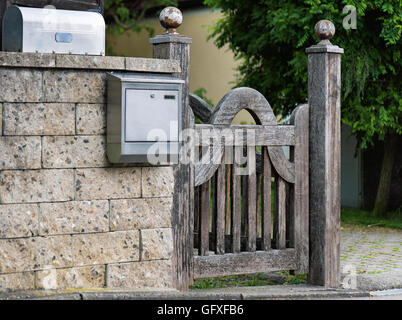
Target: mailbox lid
(50, 30)
(152, 115)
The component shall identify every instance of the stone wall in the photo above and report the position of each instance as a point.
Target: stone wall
(69, 218)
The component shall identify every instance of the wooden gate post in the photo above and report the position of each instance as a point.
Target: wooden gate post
(171, 45)
(324, 94)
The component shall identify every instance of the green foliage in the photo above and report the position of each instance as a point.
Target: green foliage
(129, 15)
(270, 38)
(361, 218)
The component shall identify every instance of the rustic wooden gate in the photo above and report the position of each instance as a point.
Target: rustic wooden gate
(257, 222)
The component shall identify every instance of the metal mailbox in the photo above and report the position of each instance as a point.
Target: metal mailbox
(143, 117)
(53, 31)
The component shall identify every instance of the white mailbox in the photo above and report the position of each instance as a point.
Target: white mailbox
(143, 117)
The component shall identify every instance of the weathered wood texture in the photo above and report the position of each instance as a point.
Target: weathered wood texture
(244, 263)
(247, 206)
(178, 48)
(324, 84)
(202, 110)
(224, 113)
(236, 135)
(299, 204)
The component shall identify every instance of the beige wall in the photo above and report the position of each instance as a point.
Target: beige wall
(211, 68)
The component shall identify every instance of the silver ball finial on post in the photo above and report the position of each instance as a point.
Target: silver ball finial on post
(324, 30)
(171, 18)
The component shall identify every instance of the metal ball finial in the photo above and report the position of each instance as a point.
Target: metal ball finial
(171, 18)
(324, 30)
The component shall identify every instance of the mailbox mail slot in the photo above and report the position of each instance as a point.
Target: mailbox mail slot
(143, 116)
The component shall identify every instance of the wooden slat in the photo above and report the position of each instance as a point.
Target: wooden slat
(259, 205)
(228, 214)
(252, 200)
(204, 220)
(236, 206)
(266, 202)
(244, 263)
(280, 213)
(300, 118)
(202, 110)
(221, 209)
(255, 135)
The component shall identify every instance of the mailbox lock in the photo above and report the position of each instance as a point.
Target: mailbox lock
(152, 95)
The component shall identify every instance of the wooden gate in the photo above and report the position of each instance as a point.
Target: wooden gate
(251, 200)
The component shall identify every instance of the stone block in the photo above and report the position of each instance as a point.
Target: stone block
(74, 152)
(36, 186)
(140, 275)
(74, 217)
(71, 278)
(19, 220)
(73, 61)
(27, 59)
(20, 153)
(74, 86)
(36, 253)
(157, 182)
(108, 183)
(39, 119)
(17, 281)
(156, 244)
(104, 248)
(20, 85)
(146, 213)
(91, 119)
(152, 65)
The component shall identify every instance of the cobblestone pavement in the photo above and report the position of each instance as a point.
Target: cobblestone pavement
(371, 251)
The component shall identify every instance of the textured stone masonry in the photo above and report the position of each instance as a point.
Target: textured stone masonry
(68, 217)
(74, 217)
(36, 186)
(66, 152)
(39, 119)
(140, 213)
(91, 119)
(144, 274)
(108, 183)
(20, 153)
(19, 220)
(157, 182)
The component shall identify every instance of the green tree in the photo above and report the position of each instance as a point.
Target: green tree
(125, 15)
(270, 37)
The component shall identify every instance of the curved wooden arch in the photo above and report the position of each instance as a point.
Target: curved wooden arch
(230, 105)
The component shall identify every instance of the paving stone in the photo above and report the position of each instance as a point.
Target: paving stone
(36, 253)
(108, 183)
(74, 152)
(74, 86)
(138, 275)
(91, 119)
(157, 182)
(104, 248)
(20, 153)
(145, 213)
(156, 244)
(39, 119)
(36, 186)
(74, 217)
(19, 220)
(20, 85)
(71, 278)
